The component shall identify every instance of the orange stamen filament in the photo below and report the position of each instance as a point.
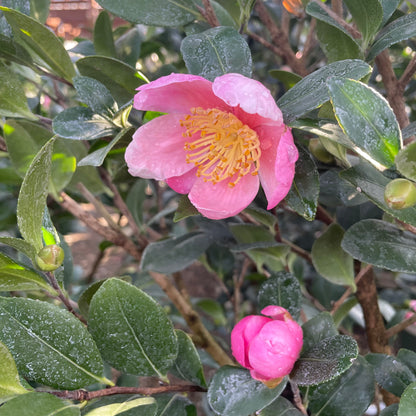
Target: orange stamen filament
(226, 148)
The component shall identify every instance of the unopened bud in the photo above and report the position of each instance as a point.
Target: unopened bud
(50, 258)
(319, 151)
(400, 193)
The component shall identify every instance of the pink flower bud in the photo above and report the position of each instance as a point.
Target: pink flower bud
(267, 345)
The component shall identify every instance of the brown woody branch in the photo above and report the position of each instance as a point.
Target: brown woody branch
(394, 330)
(209, 13)
(84, 395)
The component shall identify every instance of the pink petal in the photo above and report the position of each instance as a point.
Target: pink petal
(220, 201)
(177, 93)
(248, 94)
(183, 184)
(277, 313)
(277, 163)
(157, 150)
(243, 333)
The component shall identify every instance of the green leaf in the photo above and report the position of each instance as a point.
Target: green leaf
(213, 309)
(103, 36)
(330, 260)
(400, 29)
(407, 403)
(217, 51)
(317, 329)
(188, 365)
(280, 407)
(80, 123)
(406, 161)
(41, 42)
(233, 392)
(390, 410)
(174, 405)
(49, 344)
(281, 289)
(39, 404)
(381, 244)
(15, 277)
(304, 193)
(32, 197)
(330, 398)
(389, 6)
(391, 374)
(185, 209)
(132, 331)
(311, 92)
(39, 9)
(12, 51)
(367, 16)
(174, 254)
(289, 79)
(367, 119)
(9, 377)
(169, 13)
(118, 408)
(325, 360)
(119, 78)
(128, 46)
(372, 183)
(94, 94)
(13, 102)
(20, 245)
(407, 357)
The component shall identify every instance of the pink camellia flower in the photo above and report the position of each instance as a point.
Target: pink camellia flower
(217, 142)
(412, 306)
(267, 345)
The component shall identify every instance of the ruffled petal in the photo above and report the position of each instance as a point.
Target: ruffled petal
(157, 150)
(177, 93)
(183, 184)
(277, 162)
(248, 94)
(220, 201)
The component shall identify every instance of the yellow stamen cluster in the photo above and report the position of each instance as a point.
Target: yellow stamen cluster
(226, 148)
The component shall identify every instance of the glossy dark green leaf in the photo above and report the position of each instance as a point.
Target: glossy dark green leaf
(13, 102)
(119, 78)
(325, 360)
(174, 254)
(406, 161)
(13, 276)
(153, 13)
(400, 29)
(330, 398)
(372, 183)
(20, 245)
(80, 123)
(262, 216)
(367, 16)
(318, 328)
(311, 92)
(289, 79)
(103, 36)
(409, 130)
(390, 410)
(391, 374)
(280, 407)
(281, 289)
(94, 94)
(128, 46)
(304, 193)
(131, 330)
(233, 392)
(126, 407)
(213, 309)
(188, 365)
(10, 384)
(176, 405)
(39, 404)
(42, 42)
(389, 6)
(407, 403)
(216, 52)
(32, 197)
(367, 119)
(50, 346)
(408, 358)
(381, 244)
(185, 209)
(330, 260)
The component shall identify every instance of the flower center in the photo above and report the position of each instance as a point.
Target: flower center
(226, 148)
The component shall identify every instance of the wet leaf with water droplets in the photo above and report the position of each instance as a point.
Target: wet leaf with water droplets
(407, 403)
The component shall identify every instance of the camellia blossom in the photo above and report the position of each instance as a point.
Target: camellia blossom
(267, 345)
(218, 141)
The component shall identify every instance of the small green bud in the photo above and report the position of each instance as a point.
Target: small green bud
(400, 193)
(50, 258)
(319, 151)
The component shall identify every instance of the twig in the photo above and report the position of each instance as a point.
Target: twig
(209, 13)
(348, 292)
(323, 215)
(84, 395)
(54, 283)
(407, 74)
(299, 251)
(238, 280)
(297, 398)
(395, 329)
(337, 7)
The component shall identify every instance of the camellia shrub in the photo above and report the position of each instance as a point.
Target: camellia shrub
(243, 175)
